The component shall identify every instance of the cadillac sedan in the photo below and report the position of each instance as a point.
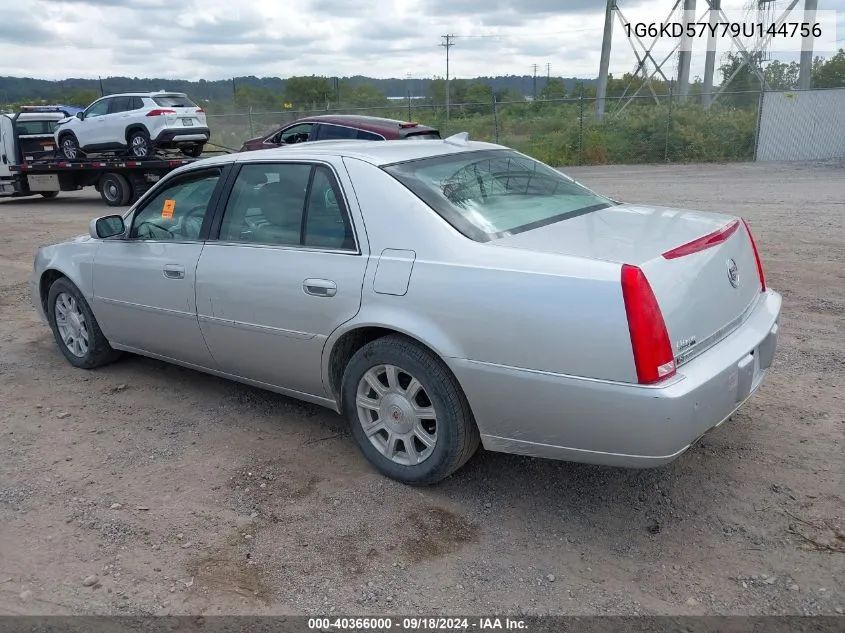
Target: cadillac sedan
(440, 295)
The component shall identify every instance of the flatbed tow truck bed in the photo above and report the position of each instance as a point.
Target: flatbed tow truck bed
(120, 181)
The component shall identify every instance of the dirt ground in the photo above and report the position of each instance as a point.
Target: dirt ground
(146, 488)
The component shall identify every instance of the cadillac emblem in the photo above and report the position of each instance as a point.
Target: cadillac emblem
(733, 273)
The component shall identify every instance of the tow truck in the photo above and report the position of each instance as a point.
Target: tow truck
(30, 164)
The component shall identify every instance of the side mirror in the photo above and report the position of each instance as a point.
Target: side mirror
(80, 115)
(106, 226)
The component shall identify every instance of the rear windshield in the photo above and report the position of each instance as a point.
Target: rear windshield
(423, 135)
(174, 101)
(35, 127)
(490, 194)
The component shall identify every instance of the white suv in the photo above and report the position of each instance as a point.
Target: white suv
(140, 122)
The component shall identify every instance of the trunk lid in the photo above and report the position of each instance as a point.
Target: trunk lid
(703, 294)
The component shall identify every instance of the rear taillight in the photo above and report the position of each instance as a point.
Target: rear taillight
(756, 256)
(200, 111)
(650, 344)
(160, 112)
(703, 243)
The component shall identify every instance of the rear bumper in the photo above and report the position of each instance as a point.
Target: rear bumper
(616, 424)
(183, 135)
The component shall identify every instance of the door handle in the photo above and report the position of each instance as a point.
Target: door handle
(319, 287)
(174, 271)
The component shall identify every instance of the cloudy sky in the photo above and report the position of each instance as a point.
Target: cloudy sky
(216, 39)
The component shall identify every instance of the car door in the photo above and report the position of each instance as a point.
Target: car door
(117, 119)
(286, 270)
(144, 282)
(91, 130)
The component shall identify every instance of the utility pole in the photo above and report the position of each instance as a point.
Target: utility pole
(548, 71)
(805, 70)
(604, 63)
(448, 43)
(534, 84)
(710, 56)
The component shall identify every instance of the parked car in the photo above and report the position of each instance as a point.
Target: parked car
(138, 122)
(325, 127)
(440, 295)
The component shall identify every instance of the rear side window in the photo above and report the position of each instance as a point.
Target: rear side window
(334, 132)
(431, 135)
(35, 127)
(363, 135)
(174, 101)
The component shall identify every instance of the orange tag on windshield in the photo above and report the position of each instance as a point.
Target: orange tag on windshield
(167, 210)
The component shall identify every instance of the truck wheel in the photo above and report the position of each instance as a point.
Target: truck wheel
(69, 147)
(49, 194)
(139, 144)
(115, 190)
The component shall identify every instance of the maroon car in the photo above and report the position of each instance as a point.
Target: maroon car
(326, 127)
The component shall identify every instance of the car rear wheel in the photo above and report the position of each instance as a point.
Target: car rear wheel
(407, 412)
(75, 329)
(193, 151)
(139, 144)
(69, 147)
(49, 194)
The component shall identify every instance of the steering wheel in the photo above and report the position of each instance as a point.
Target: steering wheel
(189, 218)
(151, 234)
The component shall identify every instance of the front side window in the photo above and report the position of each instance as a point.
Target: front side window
(177, 212)
(99, 108)
(490, 194)
(287, 204)
(297, 133)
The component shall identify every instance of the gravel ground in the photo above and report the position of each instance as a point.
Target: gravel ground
(146, 488)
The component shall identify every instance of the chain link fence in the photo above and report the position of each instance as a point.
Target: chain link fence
(563, 132)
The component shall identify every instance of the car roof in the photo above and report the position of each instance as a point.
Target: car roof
(364, 122)
(377, 153)
(145, 94)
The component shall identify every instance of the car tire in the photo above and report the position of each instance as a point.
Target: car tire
(75, 329)
(115, 190)
(69, 146)
(193, 151)
(49, 194)
(140, 145)
(455, 438)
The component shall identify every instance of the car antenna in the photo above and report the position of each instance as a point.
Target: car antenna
(460, 139)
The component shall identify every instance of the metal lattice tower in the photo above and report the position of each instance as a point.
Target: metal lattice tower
(760, 12)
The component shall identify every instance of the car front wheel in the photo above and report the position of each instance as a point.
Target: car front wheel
(69, 147)
(75, 329)
(407, 412)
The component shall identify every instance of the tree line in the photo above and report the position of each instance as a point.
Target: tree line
(322, 93)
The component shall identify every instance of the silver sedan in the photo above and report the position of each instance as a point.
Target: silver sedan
(441, 295)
